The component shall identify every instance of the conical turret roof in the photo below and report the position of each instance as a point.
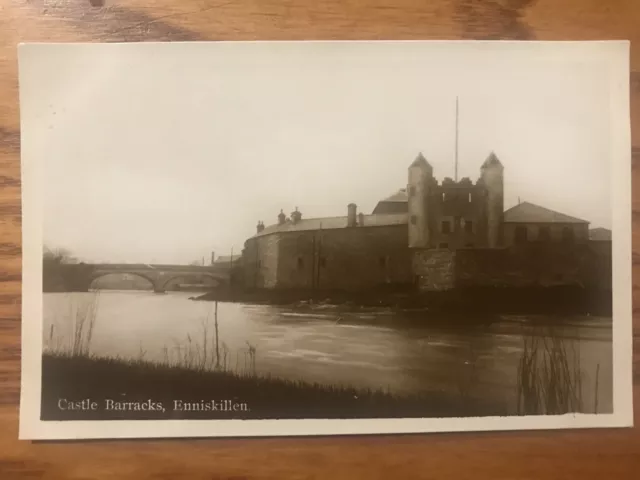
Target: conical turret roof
(492, 161)
(420, 161)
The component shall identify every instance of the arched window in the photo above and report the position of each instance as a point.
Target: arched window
(520, 235)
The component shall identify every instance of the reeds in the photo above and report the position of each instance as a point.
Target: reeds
(82, 317)
(549, 377)
(84, 322)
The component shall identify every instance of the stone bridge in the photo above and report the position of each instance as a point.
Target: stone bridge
(79, 277)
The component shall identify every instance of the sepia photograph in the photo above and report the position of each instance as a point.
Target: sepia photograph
(305, 238)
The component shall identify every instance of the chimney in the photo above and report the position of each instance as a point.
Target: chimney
(281, 218)
(213, 257)
(259, 227)
(361, 219)
(351, 215)
(296, 216)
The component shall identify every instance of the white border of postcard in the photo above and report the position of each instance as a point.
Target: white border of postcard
(616, 55)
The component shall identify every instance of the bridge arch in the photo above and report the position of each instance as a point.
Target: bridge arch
(152, 281)
(164, 281)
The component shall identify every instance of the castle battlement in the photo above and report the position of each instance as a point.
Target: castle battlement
(455, 213)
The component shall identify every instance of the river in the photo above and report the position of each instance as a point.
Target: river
(375, 349)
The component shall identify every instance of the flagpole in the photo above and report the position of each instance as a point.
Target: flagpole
(456, 147)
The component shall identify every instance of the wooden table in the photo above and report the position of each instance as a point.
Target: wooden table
(560, 454)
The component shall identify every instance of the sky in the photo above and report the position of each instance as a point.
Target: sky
(164, 153)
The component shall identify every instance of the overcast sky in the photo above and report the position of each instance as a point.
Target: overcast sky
(164, 153)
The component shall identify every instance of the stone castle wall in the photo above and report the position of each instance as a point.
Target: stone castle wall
(356, 258)
(434, 269)
(586, 265)
(260, 262)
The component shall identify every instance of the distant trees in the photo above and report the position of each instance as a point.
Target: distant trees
(57, 256)
(61, 271)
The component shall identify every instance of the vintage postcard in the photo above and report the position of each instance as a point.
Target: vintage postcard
(305, 238)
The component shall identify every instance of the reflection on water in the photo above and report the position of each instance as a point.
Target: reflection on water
(378, 349)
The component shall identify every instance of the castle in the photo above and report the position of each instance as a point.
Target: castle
(430, 236)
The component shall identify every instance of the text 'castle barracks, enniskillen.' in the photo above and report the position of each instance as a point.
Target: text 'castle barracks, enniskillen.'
(431, 236)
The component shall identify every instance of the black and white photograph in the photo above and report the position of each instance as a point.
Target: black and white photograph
(317, 238)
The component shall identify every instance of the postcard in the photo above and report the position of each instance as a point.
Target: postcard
(324, 238)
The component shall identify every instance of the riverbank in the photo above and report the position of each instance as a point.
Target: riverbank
(85, 388)
(487, 300)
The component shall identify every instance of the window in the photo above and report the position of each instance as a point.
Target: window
(382, 261)
(446, 227)
(567, 235)
(469, 197)
(469, 245)
(520, 235)
(443, 245)
(443, 196)
(322, 262)
(300, 263)
(412, 191)
(468, 226)
(414, 219)
(544, 234)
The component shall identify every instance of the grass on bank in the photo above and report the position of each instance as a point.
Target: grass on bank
(78, 377)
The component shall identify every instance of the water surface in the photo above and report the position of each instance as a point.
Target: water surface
(402, 352)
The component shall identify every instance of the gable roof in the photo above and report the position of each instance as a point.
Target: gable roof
(530, 213)
(600, 234)
(399, 196)
(330, 223)
(394, 203)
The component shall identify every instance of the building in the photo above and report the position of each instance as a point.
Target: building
(430, 235)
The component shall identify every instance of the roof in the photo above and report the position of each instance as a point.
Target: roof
(492, 160)
(600, 234)
(331, 223)
(399, 196)
(527, 212)
(420, 161)
(390, 207)
(394, 203)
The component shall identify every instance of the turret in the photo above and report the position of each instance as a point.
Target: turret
(281, 218)
(492, 176)
(420, 179)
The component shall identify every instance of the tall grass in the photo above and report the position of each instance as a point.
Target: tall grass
(208, 352)
(549, 376)
(82, 316)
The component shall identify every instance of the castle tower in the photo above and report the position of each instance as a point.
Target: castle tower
(420, 179)
(492, 175)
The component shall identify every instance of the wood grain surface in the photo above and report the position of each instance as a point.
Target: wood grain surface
(582, 454)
